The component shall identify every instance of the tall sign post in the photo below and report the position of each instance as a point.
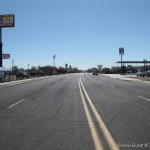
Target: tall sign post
(121, 52)
(5, 21)
(1, 53)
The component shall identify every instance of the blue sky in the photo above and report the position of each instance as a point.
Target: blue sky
(81, 33)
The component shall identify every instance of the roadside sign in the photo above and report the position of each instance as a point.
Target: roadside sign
(7, 20)
(121, 50)
(6, 56)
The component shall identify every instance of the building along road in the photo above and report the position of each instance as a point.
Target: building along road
(74, 112)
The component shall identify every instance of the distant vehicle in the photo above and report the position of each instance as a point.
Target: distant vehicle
(95, 73)
(141, 73)
(148, 73)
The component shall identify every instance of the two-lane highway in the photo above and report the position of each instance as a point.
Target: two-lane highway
(74, 112)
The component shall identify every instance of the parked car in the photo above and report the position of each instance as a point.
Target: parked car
(22, 75)
(141, 73)
(2, 75)
(148, 73)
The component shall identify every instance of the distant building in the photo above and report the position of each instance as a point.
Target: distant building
(70, 67)
(135, 65)
(66, 66)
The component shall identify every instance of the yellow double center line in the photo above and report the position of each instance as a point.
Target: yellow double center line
(96, 139)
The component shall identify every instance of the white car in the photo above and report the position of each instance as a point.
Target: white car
(141, 73)
(148, 73)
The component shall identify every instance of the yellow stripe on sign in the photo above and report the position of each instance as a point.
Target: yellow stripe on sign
(110, 140)
(97, 142)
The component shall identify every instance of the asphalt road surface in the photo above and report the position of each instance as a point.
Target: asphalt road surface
(74, 112)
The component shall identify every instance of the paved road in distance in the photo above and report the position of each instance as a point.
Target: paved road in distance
(75, 112)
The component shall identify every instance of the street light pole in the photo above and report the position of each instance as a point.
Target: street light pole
(12, 64)
(28, 67)
(54, 56)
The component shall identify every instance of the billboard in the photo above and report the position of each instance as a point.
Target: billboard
(7, 20)
(6, 56)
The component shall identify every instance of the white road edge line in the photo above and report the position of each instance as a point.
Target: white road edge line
(16, 103)
(144, 98)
